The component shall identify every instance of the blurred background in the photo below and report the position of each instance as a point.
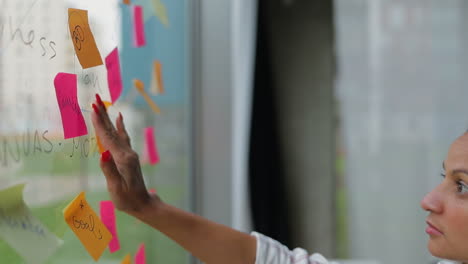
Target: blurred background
(319, 123)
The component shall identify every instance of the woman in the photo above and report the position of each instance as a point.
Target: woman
(214, 243)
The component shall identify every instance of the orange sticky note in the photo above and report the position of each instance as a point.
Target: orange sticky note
(127, 260)
(157, 84)
(127, 2)
(99, 144)
(140, 86)
(87, 226)
(107, 104)
(83, 39)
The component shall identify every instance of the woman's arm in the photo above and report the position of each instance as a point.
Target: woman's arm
(210, 242)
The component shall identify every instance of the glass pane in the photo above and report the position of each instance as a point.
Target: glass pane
(35, 45)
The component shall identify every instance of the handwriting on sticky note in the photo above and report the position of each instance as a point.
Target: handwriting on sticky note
(138, 27)
(151, 147)
(87, 226)
(83, 40)
(127, 259)
(157, 84)
(161, 13)
(140, 256)
(140, 86)
(72, 118)
(21, 230)
(108, 218)
(114, 77)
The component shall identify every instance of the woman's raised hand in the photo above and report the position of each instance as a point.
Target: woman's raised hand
(120, 163)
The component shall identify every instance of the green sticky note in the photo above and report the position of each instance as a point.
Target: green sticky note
(60, 226)
(21, 230)
(160, 11)
(154, 8)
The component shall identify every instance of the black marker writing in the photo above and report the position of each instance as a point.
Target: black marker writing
(19, 32)
(53, 48)
(78, 37)
(83, 224)
(69, 102)
(22, 222)
(42, 46)
(24, 145)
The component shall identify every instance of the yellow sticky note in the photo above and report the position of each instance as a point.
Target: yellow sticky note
(161, 13)
(83, 39)
(157, 84)
(87, 226)
(21, 230)
(127, 260)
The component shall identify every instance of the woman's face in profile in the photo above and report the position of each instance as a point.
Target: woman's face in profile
(447, 204)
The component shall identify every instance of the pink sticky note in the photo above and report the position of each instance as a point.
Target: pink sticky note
(114, 78)
(138, 26)
(108, 218)
(151, 145)
(72, 119)
(140, 257)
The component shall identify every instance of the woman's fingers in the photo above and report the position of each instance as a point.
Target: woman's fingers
(103, 114)
(105, 129)
(109, 168)
(121, 130)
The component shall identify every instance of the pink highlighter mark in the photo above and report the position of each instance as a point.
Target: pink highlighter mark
(72, 118)
(140, 257)
(151, 146)
(138, 27)
(108, 218)
(114, 78)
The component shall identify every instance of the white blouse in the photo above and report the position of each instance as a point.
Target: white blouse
(270, 251)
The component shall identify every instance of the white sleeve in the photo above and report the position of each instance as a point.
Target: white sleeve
(270, 251)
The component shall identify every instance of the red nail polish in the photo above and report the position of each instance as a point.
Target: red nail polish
(106, 156)
(98, 99)
(96, 110)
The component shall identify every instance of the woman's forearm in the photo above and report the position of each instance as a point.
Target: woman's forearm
(210, 242)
